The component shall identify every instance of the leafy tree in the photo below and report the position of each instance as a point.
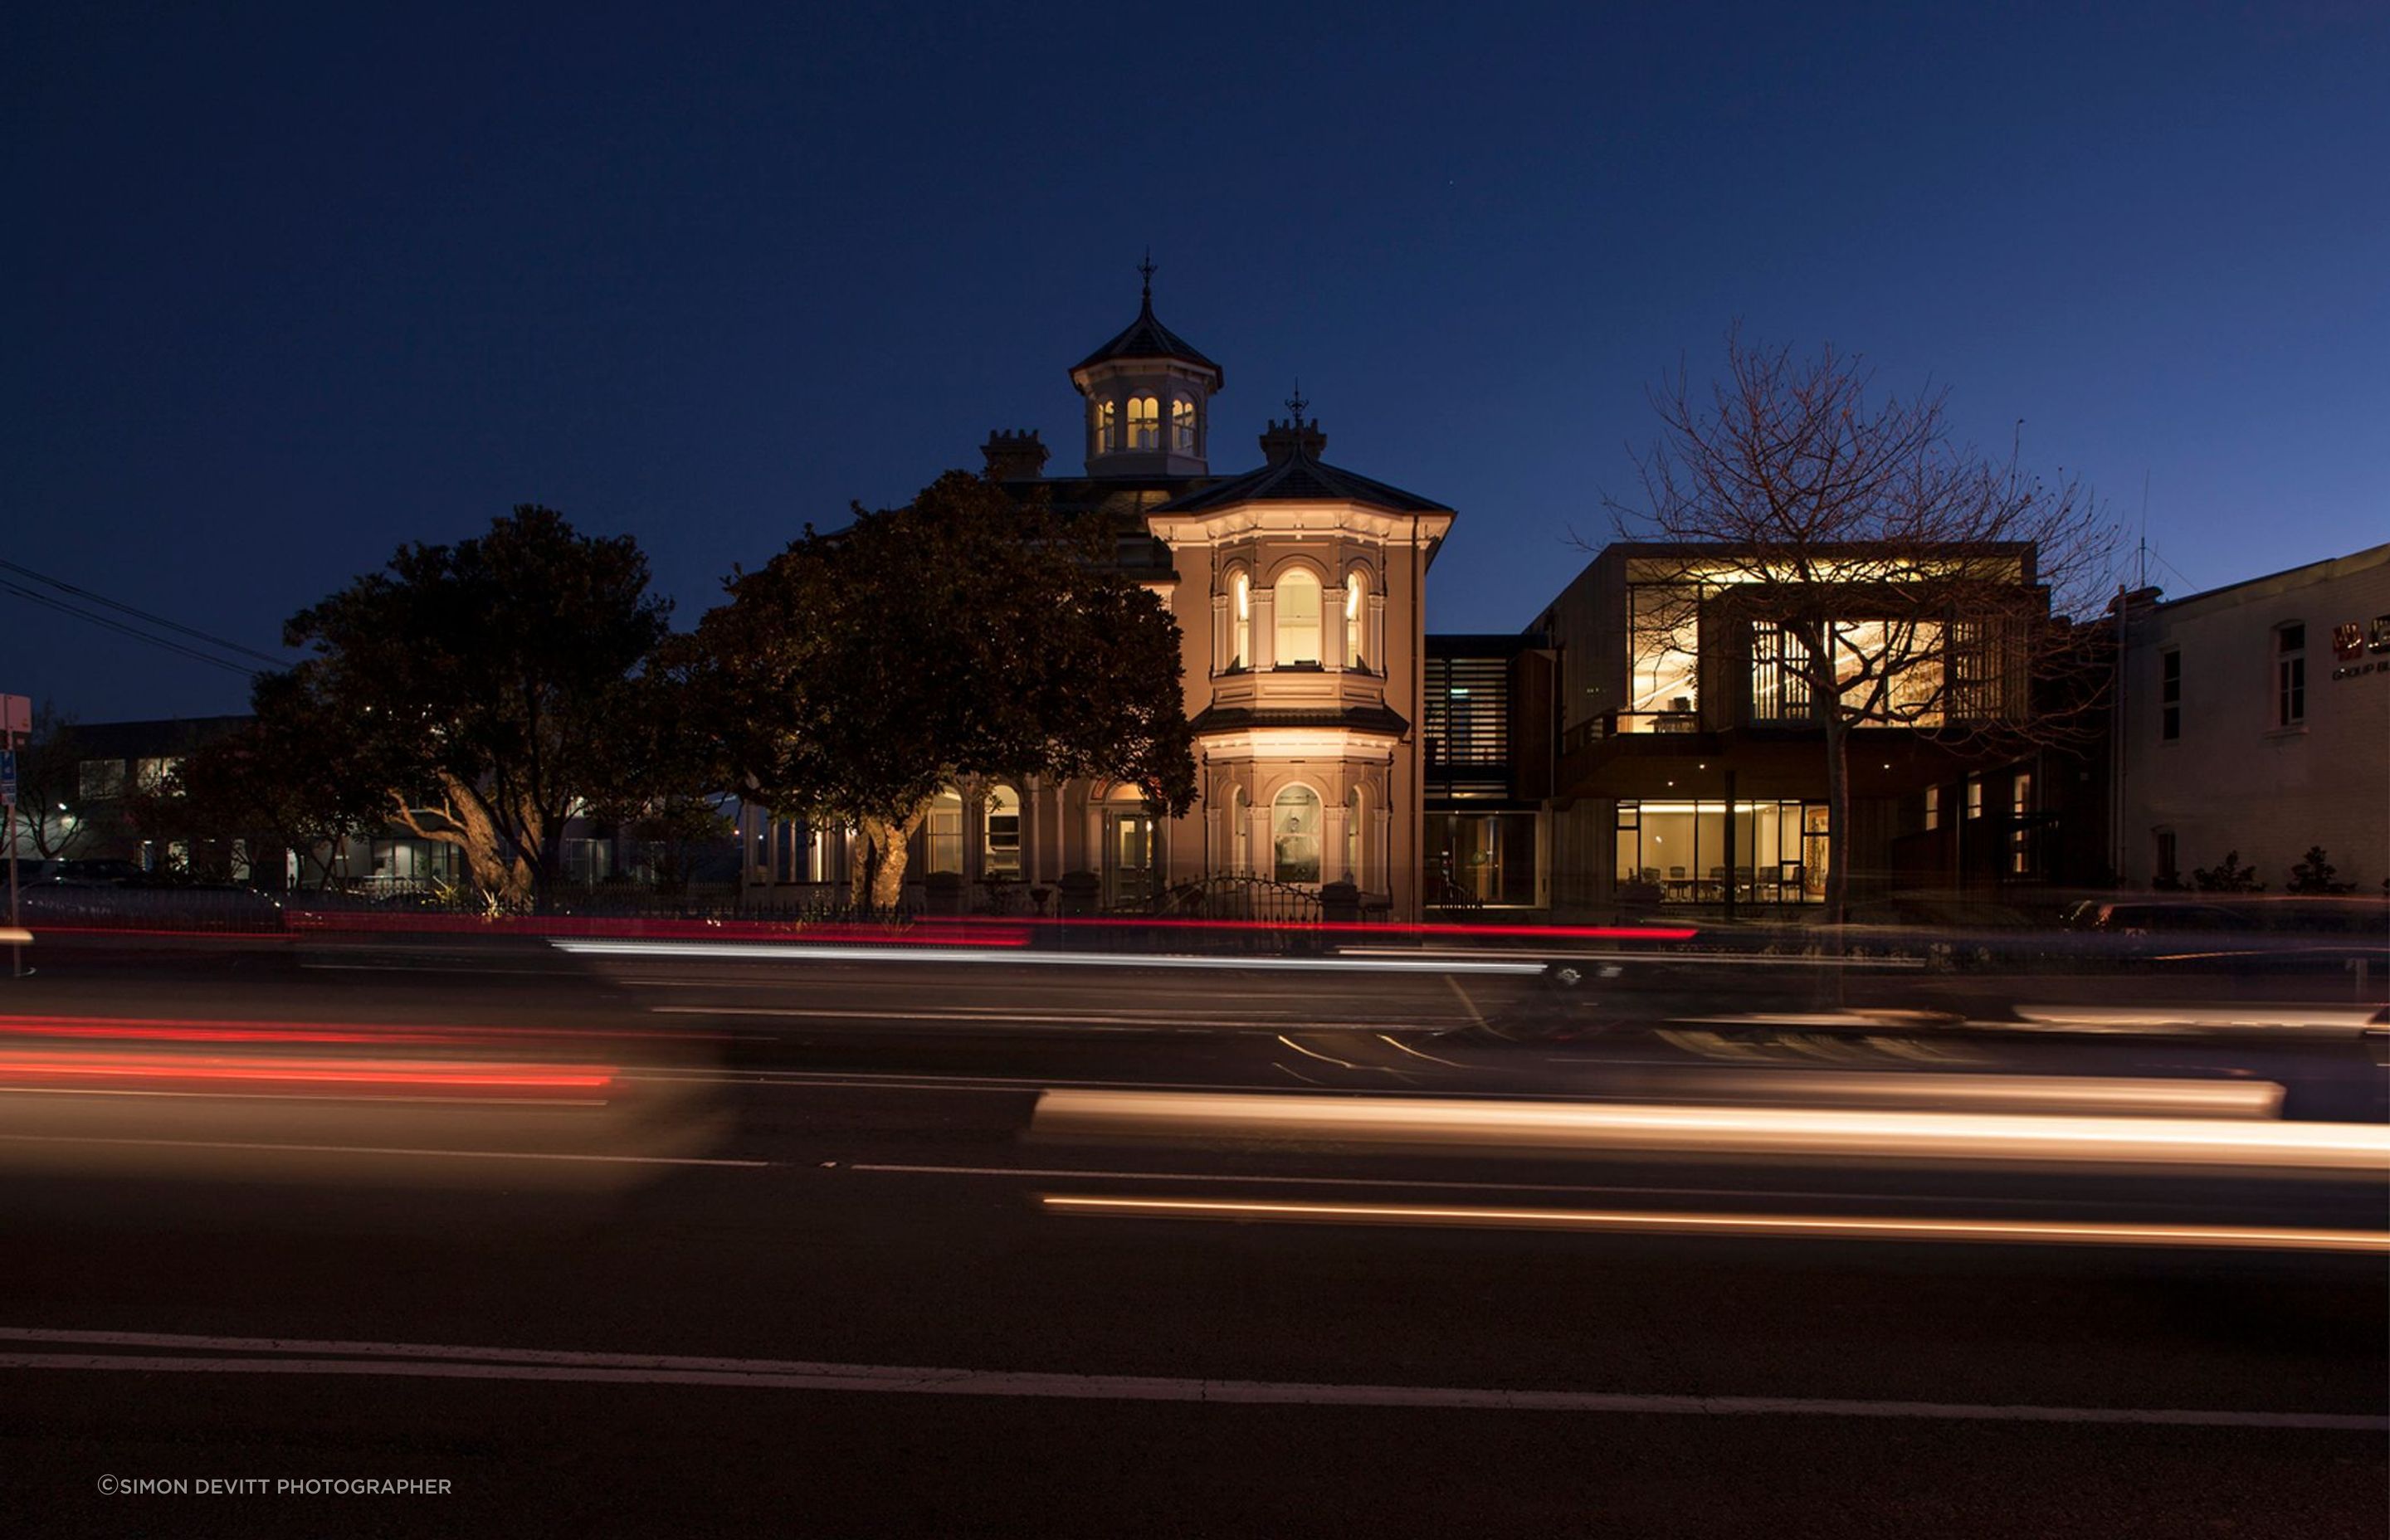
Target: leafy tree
(965, 634)
(2314, 875)
(2228, 876)
(482, 686)
(1887, 575)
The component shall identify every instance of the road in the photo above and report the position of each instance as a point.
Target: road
(815, 1278)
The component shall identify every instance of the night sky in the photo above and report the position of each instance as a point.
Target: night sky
(289, 287)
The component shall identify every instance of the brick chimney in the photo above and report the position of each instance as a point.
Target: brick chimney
(1014, 454)
(1284, 439)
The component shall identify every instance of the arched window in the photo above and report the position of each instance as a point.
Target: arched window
(1182, 425)
(1356, 618)
(1352, 834)
(1240, 599)
(1240, 831)
(1294, 834)
(1298, 618)
(1099, 414)
(1002, 833)
(1144, 422)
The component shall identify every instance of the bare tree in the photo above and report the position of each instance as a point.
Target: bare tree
(1873, 571)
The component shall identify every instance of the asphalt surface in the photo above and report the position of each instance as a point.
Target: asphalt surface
(799, 1273)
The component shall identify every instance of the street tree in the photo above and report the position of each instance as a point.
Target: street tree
(482, 687)
(1879, 571)
(55, 821)
(965, 633)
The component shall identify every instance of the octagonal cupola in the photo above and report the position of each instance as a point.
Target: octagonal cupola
(1149, 399)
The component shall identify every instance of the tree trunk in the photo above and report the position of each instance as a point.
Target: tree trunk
(1838, 818)
(888, 874)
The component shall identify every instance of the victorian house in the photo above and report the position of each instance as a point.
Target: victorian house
(1298, 587)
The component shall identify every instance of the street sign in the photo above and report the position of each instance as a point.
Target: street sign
(7, 777)
(16, 714)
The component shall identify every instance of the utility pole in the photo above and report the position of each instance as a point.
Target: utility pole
(16, 717)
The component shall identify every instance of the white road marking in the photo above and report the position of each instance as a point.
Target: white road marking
(385, 1150)
(1404, 1048)
(296, 1356)
(1308, 1054)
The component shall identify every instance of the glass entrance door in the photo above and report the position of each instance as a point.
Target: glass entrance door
(1128, 859)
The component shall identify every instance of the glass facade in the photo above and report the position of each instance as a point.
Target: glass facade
(1681, 848)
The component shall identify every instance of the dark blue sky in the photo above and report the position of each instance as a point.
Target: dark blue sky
(289, 287)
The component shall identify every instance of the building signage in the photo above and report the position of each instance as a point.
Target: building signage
(2353, 640)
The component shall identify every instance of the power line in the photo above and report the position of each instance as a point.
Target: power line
(64, 586)
(123, 629)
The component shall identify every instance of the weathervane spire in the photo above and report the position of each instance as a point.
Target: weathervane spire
(1295, 403)
(1146, 269)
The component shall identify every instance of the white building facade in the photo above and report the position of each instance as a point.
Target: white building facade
(2256, 719)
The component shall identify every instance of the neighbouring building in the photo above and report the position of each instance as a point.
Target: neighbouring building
(1298, 587)
(83, 781)
(2255, 718)
(1689, 768)
(1488, 725)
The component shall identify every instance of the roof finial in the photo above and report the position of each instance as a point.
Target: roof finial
(1145, 268)
(1295, 403)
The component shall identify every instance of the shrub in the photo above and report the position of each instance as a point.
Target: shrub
(2228, 876)
(2314, 875)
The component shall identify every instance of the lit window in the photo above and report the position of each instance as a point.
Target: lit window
(1298, 618)
(1663, 676)
(2290, 675)
(1357, 616)
(1933, 807)
(944, 834)
(1352, 834)
(1242, 586)
(151, 775)
(1003, 832)
(1144, 422)
(2020, 825)
(1100, 419)
(1779, 683)
(1182, 425)
(1974, 796)
(1295, 835)
(2170, 696)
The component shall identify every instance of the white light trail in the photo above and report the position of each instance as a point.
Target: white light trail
(1025, 957)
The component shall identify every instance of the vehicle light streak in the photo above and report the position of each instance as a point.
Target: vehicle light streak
(1550, 1127)
(800, 952)
(2083, 1096)
(1813, 1226)
(172, 1029)
(30, 1069)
